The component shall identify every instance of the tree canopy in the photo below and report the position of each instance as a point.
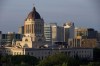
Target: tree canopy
(58, 60)
(18, 60)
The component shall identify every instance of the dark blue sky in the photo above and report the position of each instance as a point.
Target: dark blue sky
(84, 13)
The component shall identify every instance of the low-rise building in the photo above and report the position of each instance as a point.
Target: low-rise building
(11, 51)
(45, 52)
(82, 43)
(21, 30)
(9, 37)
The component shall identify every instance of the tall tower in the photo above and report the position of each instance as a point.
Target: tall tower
(33, 31)
(34, 26)
(0, 37)
(68, 31)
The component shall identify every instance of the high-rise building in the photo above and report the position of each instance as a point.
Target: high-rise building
(60, 34)
(82, 43)
(21, 30)
(0, 37)
(88, 33)
(48, 33)
(68, 31)
(98, 39)
(54, 32)
(81, 32)
(84, 38)
(9, 37)
(91, 33)
(99, 36)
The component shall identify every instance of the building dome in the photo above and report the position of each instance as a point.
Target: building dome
(34, 14)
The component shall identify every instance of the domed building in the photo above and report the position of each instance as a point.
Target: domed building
(34, 24)
(34, 14)
(33, 31)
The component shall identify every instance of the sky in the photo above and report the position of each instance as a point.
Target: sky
(84, 13)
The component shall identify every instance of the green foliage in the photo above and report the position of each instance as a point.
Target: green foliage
(64, 64)
(24, 59)
(94, 64)
(54, 60)
(19, 60)
(58, 60)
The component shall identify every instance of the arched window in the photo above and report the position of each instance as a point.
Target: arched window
(25, 46)
(26, 39)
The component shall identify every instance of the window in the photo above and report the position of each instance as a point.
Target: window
(31, 53)
(14, 53)
(17, 53)
(20, 53)
(28, 53)
(26, 39)
(49, 53)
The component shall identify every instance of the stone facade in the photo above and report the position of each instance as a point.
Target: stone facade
(33, 31)
(43, 53)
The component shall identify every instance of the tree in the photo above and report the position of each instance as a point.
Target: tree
(94, 64)
(64, 64)
(58, 60)
(96, 54)
(24, 60)
(18, 60)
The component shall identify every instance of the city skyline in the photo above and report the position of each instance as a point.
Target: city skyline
(42, 31)
(13, 13)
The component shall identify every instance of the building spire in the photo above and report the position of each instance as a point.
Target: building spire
(34, 9)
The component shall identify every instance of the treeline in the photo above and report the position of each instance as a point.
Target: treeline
(54, 60)
(18, 60)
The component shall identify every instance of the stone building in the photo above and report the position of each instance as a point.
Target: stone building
(33, 31)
